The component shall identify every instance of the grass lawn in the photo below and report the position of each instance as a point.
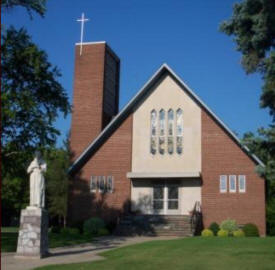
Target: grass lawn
(189, 253)
(9, 239)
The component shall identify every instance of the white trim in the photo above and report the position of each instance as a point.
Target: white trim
(163, 175)
(222, 178)
(242, 190)
(91, 42)
(234, 179)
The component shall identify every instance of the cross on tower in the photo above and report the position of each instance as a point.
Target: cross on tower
(82, 20)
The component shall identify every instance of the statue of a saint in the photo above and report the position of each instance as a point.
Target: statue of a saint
(37, 181)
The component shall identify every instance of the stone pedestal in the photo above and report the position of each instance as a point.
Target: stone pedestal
(33, 233)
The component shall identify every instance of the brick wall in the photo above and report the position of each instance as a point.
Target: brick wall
(221, 155)
(88, 96)
(113, 158)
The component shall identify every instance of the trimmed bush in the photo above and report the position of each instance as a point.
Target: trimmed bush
(214, 227)
(222, 233)
(229, 225)
(238, 233)
(207, 233)
(93, 225)
(69, 231)
(250, 230)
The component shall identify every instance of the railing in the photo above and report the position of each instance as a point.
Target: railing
(196, 219)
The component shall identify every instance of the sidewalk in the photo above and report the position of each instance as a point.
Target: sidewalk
(75, 254)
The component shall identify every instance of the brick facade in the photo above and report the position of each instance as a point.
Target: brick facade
(113, 158)
(222, 156)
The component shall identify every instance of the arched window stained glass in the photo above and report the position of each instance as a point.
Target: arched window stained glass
(153, 143)
(170, 138)
(161, 131)
(179, 130)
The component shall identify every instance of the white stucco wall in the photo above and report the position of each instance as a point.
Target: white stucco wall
(142, 195)
(168, 94)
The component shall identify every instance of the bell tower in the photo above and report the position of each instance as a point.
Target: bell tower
(96, 93)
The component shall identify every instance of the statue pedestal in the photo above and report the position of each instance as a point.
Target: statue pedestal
(33, 233)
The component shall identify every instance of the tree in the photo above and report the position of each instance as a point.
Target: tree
(32, 99)
(39, 6)
(57, 178)
(253, 27)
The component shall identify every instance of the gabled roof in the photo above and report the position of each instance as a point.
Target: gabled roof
(122, 115)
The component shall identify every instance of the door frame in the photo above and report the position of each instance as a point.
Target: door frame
(165, 210)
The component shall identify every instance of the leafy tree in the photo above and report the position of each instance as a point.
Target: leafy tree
(58, 161)
(39, 6)
(253, 27)
(32, 99)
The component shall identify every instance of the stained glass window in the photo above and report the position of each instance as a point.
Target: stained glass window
(161, 131)
(179, 131)
(170, 138)
(153, 132)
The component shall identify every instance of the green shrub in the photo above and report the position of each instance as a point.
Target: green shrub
(93, 225)
(222, 233)
(69, 231)
(214, 227)
(207, 233)
(103, 231)
(238, 233)
(55, 229)
(250, 229)
(229, 225)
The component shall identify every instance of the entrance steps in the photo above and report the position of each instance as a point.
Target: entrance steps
(155, 225)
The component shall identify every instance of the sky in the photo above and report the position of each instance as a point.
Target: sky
(145, 34)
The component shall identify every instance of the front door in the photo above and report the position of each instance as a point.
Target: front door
(166, 198)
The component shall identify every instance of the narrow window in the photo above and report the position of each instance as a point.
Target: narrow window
(170, 131)
(110, 184)
(101, 184)
(161, 131)
(179, 131)
(223, 183)
(93, 184)
(232, 183)
(153, 143)
(242, 183)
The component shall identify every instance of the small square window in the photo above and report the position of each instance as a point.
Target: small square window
(242, 183)
(232, 183)
(110, 184)
(223, 183)
(93, 184)
(101, 184)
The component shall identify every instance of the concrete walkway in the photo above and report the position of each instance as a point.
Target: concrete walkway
(75, 254)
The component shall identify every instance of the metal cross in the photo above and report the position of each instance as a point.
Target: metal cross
(82, 20)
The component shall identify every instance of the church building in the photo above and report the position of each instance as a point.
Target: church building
(164, 156)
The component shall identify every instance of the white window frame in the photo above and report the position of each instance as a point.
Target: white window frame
(234, 179)
(93, 179)
(239, 180)
(222, 177)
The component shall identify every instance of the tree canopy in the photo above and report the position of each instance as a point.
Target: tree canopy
(39, 6)
(253, 27)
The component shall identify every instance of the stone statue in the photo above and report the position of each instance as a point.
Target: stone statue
(37, 181)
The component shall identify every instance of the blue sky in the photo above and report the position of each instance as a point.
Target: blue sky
(145, 34)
